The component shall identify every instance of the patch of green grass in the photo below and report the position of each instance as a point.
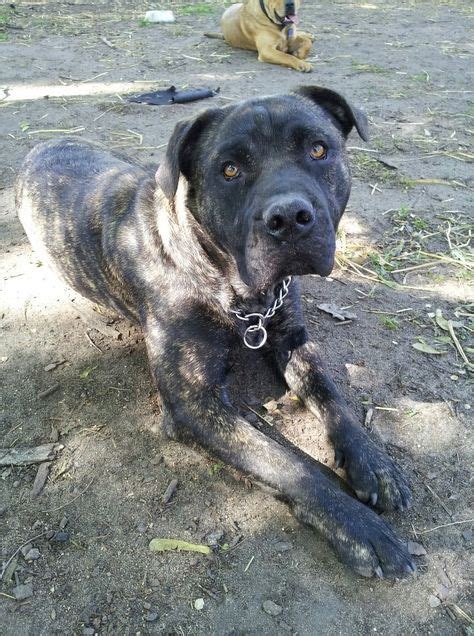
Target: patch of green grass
(215, 469)
(199, 8)
(360, 67)
(421, 77)
(367, 168)
(389, 322)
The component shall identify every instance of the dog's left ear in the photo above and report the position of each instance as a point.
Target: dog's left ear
(181, 150)
(345, 115)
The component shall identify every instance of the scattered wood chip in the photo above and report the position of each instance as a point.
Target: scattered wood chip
(25, 456)
(40, 479)
(163, 545)
(169, 492)
(10, 569)
(416, 549)
(271, 406)
(337, 312)
(54, 365)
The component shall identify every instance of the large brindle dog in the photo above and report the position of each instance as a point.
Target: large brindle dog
(200, 254)
(269, 27)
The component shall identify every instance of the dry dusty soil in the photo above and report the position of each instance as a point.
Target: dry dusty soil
(403, 270)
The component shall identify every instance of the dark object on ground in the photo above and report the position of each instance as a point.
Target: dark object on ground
(172, 96)
(200, 253)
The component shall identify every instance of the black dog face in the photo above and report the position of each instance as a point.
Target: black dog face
(268, 179)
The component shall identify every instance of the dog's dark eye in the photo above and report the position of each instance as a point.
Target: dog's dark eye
(318, 151)
(230, 171)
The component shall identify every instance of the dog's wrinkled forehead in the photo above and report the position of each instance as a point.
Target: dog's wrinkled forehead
(274, 118)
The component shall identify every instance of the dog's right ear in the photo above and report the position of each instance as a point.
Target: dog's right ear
(181, 150)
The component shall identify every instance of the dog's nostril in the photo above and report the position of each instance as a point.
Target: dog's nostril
(275, 222)
(303, 217)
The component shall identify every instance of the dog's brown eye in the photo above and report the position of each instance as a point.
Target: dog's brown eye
(318, 151)
(231, 171)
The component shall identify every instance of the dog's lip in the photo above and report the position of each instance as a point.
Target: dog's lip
(290, 17)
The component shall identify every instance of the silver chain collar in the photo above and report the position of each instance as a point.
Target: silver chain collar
(259, 326)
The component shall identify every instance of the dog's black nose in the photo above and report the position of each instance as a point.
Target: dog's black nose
(290, 220)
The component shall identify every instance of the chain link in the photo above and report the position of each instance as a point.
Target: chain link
(262, 318)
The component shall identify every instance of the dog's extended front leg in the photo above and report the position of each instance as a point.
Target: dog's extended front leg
(372, 474)
(188, 361)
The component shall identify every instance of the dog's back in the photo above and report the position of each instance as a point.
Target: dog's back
(60, 195)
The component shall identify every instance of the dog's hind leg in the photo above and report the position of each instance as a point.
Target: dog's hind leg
(188, 357)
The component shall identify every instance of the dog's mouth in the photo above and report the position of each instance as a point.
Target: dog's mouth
(290, 16)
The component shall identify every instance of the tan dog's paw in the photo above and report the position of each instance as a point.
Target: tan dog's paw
(304, 67)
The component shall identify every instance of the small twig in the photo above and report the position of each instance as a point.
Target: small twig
(249, 564)
(68, 503)
(92, 342)
(445, 525)
(264, 419)
(438, 498)
(48, 391)
(457, 343)
(169, 492)
(106, 42)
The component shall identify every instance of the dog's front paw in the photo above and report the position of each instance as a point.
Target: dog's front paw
(304, 67)
(361, 539)
(371, 473)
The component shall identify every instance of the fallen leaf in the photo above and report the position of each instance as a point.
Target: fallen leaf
(337, 312)
(443, 323)
(85, 374)
(426, 348)
(162, 545)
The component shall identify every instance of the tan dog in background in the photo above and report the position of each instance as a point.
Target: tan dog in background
(269, 27)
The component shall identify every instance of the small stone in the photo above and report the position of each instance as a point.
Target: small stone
(62, 537)
(88, 631)
(213, 538)
(442, 592)
(283, 546)
(142, 527)
(199, 604)
(63, 522)
(433, 601)
(151, 616)
(37, 524)
(20, 592)
(416, 549)
(33, 555)
(16, 484)
(468, 535)
(271, 608)
(26, 548)
(147, 606)
(53, 615)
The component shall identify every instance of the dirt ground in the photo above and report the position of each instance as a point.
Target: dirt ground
(403, 270)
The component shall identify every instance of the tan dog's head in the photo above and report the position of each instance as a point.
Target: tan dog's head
(282, 10)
